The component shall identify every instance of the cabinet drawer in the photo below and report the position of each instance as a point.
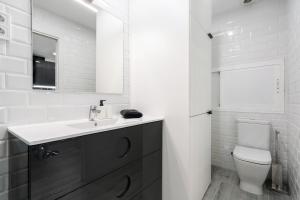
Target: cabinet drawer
(123, 183)
(153, 192)
(152, 137)
(152, 168)
(105, 152)
(118, 185)
(51, 176)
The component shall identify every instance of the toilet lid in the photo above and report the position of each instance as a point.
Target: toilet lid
(257, 156)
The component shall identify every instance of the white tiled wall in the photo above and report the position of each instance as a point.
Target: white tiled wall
(257, 33)
(19, 104)
(293, 98)
(76, 59)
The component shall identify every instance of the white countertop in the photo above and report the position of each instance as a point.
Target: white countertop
(34, 134)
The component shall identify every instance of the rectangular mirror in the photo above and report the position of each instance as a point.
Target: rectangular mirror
(44, 61)
(77, 47)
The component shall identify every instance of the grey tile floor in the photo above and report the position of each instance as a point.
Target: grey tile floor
(225, 186)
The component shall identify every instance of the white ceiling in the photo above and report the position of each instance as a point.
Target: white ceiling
(70, 10)
(220, 6)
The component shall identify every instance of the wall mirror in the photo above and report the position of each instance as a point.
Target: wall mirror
(77, 47)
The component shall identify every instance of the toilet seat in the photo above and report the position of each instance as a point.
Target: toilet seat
(257, 156)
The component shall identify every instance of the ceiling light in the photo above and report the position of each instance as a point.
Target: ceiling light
(100, 3)
(230, 33)
(87, 5)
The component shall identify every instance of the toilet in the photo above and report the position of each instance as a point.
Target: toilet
(252, 155)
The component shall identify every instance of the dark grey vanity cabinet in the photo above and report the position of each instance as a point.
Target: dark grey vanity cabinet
(122, 164)
(154, 191)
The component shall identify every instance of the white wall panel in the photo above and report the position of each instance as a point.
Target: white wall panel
(159, 81)
(253, 88)
(200, 69)
(200, 155)
(200, 99)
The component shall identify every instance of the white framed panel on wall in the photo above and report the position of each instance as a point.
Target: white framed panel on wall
(257, 87)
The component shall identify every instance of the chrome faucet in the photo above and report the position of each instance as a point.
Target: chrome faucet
(93, 112)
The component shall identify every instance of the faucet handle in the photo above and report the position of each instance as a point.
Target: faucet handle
(93, 107)
(102, 102)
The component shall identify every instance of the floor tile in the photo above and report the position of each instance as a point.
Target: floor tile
(225, 186)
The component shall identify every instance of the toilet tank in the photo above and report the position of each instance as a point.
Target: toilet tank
(254, 133)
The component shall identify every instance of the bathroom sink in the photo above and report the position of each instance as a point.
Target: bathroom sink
(94, 124)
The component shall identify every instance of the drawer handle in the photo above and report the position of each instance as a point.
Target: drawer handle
(43, 153)
(123, 155)
(126, 189)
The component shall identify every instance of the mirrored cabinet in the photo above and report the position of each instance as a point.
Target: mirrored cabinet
(78, 46)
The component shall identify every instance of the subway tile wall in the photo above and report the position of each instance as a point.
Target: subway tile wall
(20, 105)
(293, 98)
(245, 35)
(252, 33)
